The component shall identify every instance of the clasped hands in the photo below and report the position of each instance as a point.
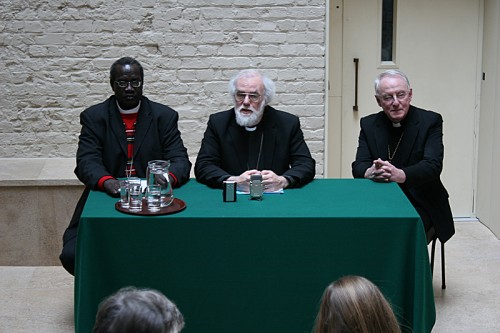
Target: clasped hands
(384, 171)
(271, 182)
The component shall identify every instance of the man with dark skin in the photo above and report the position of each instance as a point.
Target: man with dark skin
(118, 138)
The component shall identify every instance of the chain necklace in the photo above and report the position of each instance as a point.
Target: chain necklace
(260, 152)
(129, 165)
(395, 150)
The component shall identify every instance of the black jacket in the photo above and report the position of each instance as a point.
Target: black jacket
(102, 145)
(284, 150)
(422, 153)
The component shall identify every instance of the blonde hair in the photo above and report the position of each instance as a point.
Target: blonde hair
(353, 304)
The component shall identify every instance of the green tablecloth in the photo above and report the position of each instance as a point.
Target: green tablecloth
(258, 266)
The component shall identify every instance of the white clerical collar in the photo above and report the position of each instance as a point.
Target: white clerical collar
(134, 110)
(250, 129)
(396, 124)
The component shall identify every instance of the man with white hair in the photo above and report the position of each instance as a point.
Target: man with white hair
(254, 138)
(404, 144)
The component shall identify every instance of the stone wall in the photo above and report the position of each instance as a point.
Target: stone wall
(55, 57)
(38, 197)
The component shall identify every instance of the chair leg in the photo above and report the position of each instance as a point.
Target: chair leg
(443, 280)
(433, 250)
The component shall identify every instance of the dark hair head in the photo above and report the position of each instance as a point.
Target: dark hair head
(121, 62)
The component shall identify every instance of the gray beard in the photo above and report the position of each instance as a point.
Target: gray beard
(251, 120)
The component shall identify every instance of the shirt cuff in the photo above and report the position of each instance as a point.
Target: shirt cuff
(100, 183)
(291, 181)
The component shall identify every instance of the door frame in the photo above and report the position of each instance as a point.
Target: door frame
(334, 95)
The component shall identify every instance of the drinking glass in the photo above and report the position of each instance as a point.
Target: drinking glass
(135, 197)
(124, 193)
(153, 195)
(134, 180)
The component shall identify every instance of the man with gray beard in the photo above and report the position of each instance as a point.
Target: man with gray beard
(254, 138)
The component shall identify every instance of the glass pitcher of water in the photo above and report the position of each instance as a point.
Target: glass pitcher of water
(157, 174)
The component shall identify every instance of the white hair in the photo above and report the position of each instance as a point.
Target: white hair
(269, 87)
(390, 73)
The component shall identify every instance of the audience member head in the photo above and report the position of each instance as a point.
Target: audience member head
(132, 310)
(353, 304)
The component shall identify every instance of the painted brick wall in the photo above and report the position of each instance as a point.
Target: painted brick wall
(55, 58)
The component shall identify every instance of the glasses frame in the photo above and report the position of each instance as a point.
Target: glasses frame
(400, 95)
(252, 97)
(124, 84)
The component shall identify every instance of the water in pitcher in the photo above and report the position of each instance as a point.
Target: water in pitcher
(157, 174)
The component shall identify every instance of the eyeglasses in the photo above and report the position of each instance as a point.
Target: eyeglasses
(397, 96)
(240, 97)
(124, 84)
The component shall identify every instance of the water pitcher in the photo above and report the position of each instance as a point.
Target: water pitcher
(157, 174)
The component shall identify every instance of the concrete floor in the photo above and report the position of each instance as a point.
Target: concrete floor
(40, 299)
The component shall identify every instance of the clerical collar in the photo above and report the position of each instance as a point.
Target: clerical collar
(396, 124)
(134, 110)
(250, 129)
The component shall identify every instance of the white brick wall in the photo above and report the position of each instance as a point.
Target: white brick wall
(55, 57)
